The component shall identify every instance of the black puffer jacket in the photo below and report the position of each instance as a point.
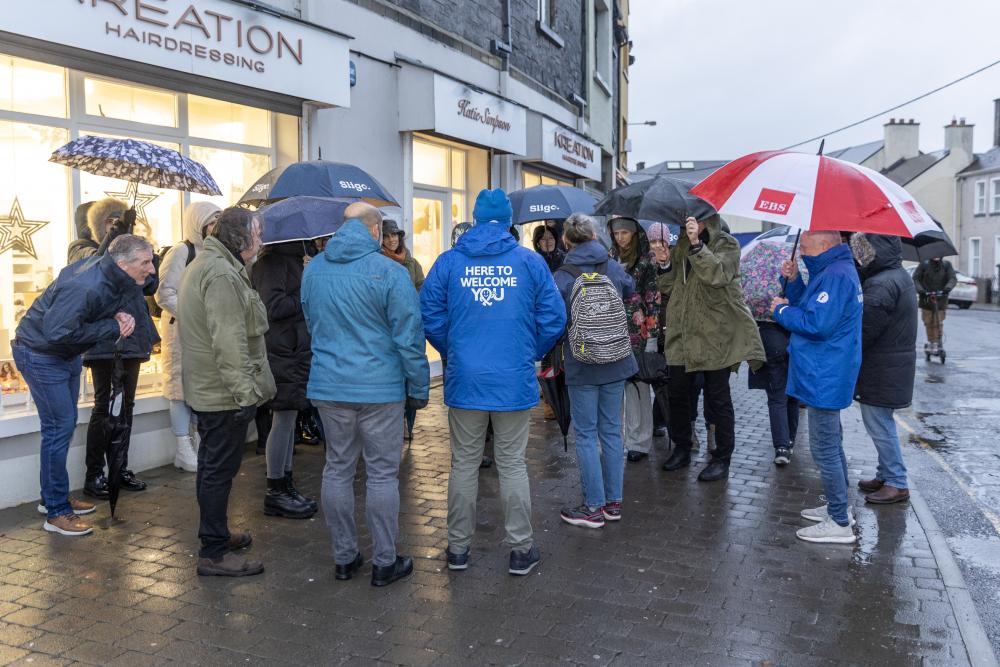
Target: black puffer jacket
(277, 277)
(888, 329)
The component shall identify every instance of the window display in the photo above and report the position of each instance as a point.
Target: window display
(42, 107)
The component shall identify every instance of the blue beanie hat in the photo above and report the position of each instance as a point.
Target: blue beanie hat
(492, 206)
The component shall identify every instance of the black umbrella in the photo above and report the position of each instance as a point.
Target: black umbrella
(662, 199)
(927, 246)
(116, 429)
(409, 416)
(318, 178)
(553, 382)
(549, 202)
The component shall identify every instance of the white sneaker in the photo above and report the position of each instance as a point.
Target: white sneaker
(187, 456)
(827, 532)
(821, 514)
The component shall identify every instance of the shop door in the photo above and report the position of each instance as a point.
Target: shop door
(429, 229)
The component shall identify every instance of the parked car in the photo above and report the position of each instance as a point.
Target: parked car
(965, 293)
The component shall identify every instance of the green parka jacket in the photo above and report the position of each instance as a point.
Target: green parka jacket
(708, 325)
(222, 326)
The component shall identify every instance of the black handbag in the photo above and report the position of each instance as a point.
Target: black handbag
(652, 368)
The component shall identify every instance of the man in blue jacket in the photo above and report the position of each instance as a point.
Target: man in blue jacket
(824, 318)
(492, 309)
(86, 305)
(368, 363)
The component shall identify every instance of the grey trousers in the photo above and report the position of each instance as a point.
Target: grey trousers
(637, 417)
(374, 431)
(280, 443)
(468, 438)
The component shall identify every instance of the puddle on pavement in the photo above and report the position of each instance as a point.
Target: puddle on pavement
(977, 551)
(934, 379)
(990, 404)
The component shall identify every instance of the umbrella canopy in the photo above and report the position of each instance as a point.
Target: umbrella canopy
(553, 383)
(116, 429)
(760, 273)
(302, 219)
(550, 202)
(318, 178)
(928, 245)
(662, 198)
(136, 161)
(812, 193)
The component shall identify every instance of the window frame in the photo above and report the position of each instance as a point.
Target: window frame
(993, 196)
(976, 256)
(979, 202)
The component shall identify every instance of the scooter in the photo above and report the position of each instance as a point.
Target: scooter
(935, 349)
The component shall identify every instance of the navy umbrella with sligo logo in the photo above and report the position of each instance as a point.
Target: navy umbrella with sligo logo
(549, 202)
(318, 178)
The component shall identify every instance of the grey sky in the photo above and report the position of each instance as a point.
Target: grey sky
(727, 77)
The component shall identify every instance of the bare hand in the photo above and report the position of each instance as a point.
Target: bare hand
(126, 324)
(306, 259)
(691, 229)
(790, 269)
(778, 301)
(661, 253)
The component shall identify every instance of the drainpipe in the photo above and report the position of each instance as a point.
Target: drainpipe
(504, 48)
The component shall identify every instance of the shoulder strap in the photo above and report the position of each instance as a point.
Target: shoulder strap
(571, 269)
(190, 247)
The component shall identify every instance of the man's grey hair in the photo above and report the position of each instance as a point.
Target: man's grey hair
(580, 228)
(234, 229)
(127, 247)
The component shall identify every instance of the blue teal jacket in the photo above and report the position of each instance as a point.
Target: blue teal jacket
(364, 321)
(491, 308)
(824, 318)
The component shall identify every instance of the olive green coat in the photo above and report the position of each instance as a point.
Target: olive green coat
(222, 326)
(708, 325)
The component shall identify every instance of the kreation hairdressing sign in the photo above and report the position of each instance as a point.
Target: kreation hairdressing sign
(212, 38)
(465, 113)
(569, 151)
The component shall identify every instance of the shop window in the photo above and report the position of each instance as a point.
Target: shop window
(234, 171)
(430, 164)
(125, 101)
(30, 87)
(226, 121)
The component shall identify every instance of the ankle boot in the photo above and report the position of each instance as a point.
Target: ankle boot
(290, 485)
(186, 457)
(278, 502)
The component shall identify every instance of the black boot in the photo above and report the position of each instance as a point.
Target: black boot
(383, 575)
(279, 502)
(293, 492)
(96, 487)
(679, 458)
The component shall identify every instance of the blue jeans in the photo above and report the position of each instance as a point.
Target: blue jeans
(55, 386)
(881, 429)
(597, 415)
(826, 440)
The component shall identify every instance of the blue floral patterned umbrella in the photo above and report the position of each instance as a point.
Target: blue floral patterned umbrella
(136, 161)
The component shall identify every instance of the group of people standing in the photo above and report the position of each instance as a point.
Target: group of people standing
(338, 325)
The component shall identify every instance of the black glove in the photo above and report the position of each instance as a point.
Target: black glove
(128, 220)
(245, 413)
(415, 403)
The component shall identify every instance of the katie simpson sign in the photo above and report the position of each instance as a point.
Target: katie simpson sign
(477, 117)
(211, 38)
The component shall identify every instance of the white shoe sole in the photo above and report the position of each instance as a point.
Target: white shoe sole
(608, 517)
(583, 523)
(458, 567)
(41, 510)
(525, 571)
(55, 529)
(829, 540)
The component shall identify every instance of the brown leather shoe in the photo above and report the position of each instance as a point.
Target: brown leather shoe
(888, 495)
(870, 485)
(68, 524)
(238, 541)
(229, 565)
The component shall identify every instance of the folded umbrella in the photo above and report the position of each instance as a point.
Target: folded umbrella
(136, 161)
(550, 202)
(553, 383)
(318, 178)
(117, 430)
(302, 218)
(662, 199)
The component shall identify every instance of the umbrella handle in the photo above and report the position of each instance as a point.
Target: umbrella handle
(795, 247)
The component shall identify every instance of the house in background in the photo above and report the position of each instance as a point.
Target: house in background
(977, 210)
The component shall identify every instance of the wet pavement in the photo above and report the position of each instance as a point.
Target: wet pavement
(953, 451)
(695, 574)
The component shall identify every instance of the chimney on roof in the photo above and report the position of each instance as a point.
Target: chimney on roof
(639, 166)
(958, 140)
(902, 140)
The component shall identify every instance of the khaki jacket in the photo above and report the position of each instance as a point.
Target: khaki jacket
(708, 325)
(222, 326)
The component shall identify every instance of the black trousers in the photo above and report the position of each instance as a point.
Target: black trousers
(718, 404)
(222, 441)
(97, 437)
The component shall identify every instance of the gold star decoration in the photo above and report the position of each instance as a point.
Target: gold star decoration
(141, 201)
(16, 231)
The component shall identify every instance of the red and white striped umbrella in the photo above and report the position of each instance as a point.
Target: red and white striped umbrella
(812, 193)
